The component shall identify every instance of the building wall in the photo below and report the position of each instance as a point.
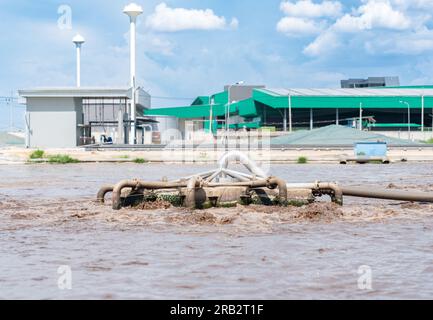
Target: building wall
(241, 92)
(53, 122)
(169, 129)
(371, 82)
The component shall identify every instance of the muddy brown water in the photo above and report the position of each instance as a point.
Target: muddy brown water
(48, 219)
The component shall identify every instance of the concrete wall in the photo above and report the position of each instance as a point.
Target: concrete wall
(52, 122)
(170, 128)
(414, 135)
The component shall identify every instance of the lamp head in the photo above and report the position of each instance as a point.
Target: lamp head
(133, 10)
(78, 40)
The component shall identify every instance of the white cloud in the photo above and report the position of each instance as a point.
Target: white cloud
(419, 4)
(293, 26)
(373, 14)
(307, 18)
(378, 27)
(166, 19)
(413, 43)
(324, 43)
(306, 8)
(234, 24)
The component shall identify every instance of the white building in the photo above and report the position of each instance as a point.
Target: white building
(71, 117)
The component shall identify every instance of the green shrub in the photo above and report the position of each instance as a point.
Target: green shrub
(429, 141)
(140, 161)
(61, 159)
(302, 160)
(38, 154)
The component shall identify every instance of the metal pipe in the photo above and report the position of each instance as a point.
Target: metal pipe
(270, 183)
(190, 199)
(333, 190)
(282, 188)
(203, 175)
(245, 160)
(249, 184)
(214, 175)
(235, 175)
(364, 192)
(244, 175)
(367, 192)
(135, 184)
(103, 192)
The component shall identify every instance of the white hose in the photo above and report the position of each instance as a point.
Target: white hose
(251, 166)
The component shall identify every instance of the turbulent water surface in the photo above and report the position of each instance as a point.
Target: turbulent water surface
(48, 219)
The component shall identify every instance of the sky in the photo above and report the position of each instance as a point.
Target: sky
(195, 47)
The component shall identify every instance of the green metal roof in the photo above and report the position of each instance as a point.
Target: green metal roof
(201, 101)
(344, 98)
(367, 98)
(193, 112)
(246, 108)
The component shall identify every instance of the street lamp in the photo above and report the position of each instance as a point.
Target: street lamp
(133, 11)
(78, 40)
(408, 115)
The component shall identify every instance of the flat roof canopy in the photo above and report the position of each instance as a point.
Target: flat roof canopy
(89, 92)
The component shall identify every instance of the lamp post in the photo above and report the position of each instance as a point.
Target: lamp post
(290, 115)
(408, 115)
(78, 41)
(133, 11)
(211, 103)
(360, 116)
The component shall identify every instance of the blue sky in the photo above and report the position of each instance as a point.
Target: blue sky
(190, 48)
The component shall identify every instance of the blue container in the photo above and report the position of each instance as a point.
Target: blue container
(371, 149)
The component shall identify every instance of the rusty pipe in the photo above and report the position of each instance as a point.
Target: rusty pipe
(117, 192)
(135, 184)
(282, 188)
(333, 190)
(270, 183)
(190, 199)
(103, 192)
(363, 192)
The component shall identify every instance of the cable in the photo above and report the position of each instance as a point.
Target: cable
(8, 98)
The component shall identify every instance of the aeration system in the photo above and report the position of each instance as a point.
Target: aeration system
(224, 187)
